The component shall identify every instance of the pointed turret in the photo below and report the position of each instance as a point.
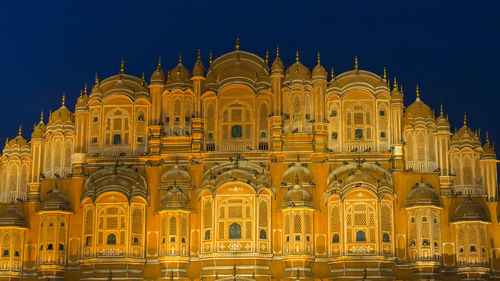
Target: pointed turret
(158, 76)
(198, 69)
(277, 69)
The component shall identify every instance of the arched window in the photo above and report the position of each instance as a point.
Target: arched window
(111, 239)
(360, 236)
(262, 234)
(336, 238)
(50, 247)
(235, 231)
(386, 238)
(5, 253)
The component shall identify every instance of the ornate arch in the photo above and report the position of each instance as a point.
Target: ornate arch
(122, 180)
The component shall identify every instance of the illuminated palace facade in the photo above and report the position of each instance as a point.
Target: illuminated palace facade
(245, 172)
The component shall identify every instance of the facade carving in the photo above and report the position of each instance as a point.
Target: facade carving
(248, 172)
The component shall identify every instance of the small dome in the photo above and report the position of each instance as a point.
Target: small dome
(175, 199)
(198, 69)
(210, 83)
(442, 124)
(12, 216)
(465, 137)
(297, 196)
(319, 72)
(418, 111)
(39, 131)
(82, 101)
(55, 200)
(158, 77)
(297, 71)
(470, 210)
(63, 114)
(179, 74)
(277, 67)
(422, 195)
(19, 140)
(396, 96)
(489, 150)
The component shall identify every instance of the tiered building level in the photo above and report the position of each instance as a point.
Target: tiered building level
(245, 172)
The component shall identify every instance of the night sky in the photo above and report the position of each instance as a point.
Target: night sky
(450, 49)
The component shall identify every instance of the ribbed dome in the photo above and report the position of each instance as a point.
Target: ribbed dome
(179, 74)
(18, 140)
(175, 199)
(418, 111)
(63, 114)
(396, 95)
(465, 137)
(422, 195)
(12, 216)
(470, 210)
(298, 71)
(55, 200)
(297, 196)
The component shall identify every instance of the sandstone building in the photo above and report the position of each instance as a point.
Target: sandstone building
(245, 172)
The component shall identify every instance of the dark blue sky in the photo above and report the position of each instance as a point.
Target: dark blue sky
(449, 47)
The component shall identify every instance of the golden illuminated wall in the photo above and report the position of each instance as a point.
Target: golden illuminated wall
(253, 172)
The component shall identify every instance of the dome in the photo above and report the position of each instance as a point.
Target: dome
(418, 111)
(422, 195)
(297, 71)
(211, 82)
(38, 131)
(442, 123)
(465, 137)
(19, 140)
(55, 200)
(319, 72)
(12, 216)
(297, 196)
(198, 69)
(470, 210)
(158, 76)
(489, 150)
(63, 114)
(277, 67)
(83, 99)
(397, 95)
(179, 74)
(175, 199)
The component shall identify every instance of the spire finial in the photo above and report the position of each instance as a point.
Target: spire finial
(418, 93)
(85, 89)
(385, 74)
(180, 57)
(332, 75)
(277, 52)
(198, 54)
(63, 99)
(441, 114)
(356, 63)
(96, 79)
(122, 66)
(237, 42)
(296, 178)
(395, 83)
(267, 57)
(41, 117)
(159, 63)
(210, 59)
(319, 59)
(297, 55)
(20, 129)
(487, 138)
(143, 78)
(81, 93)
(465, 119)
